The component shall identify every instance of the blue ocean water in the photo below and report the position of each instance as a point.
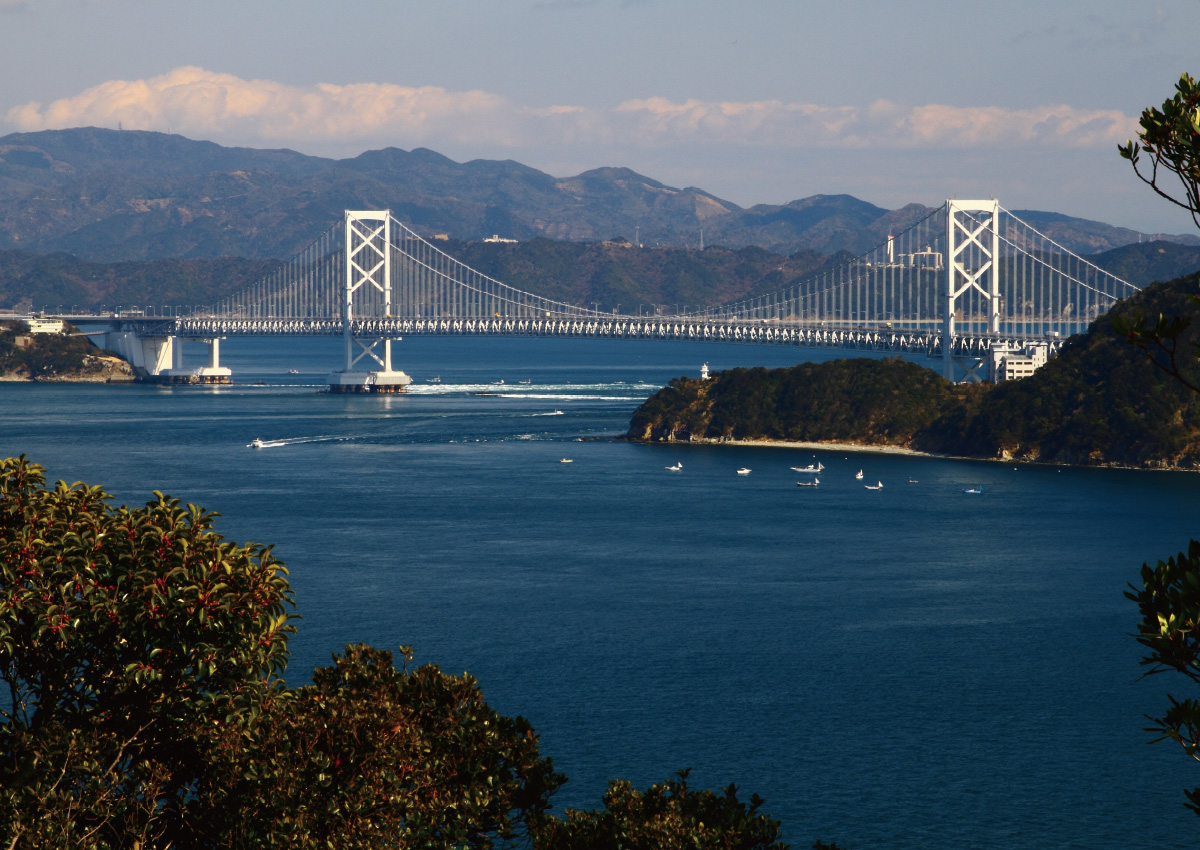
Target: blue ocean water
(912, 667)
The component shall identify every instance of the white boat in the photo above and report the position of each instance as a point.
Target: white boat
(858, 476)
(911, 481)
(557, 412)
(565, 460)
(256, 443)
(436, 380)
(973, 490)
(878, 485)
(497, 383)
(816, 482)
(678, 466)
(293, 371)
(744, 471)
(810, 468)
(524, 382)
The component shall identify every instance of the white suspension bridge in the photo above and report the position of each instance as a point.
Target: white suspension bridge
(968, 279)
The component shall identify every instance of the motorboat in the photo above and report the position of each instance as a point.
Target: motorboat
(810, 468)
(973, 490)
(436, 380)
(878, 485)
(816, 482)
(293, 371)
(557, 412)
(678, 466)
(912, 481)
(256, 443)
(858, 476)
(566, 460)
(526, 381)
(744, 471)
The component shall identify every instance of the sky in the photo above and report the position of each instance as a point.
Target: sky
(755, 101)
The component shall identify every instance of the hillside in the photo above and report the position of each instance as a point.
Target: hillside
(67, 358)
(1100, 402)
(109, 195)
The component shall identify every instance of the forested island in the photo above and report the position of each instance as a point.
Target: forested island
(1100, 402)
(62, 357)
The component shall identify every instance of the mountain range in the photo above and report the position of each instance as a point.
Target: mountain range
(112, 195)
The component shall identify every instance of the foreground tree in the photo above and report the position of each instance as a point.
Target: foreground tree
(141, 654)
(668, 816)
(370, 756)
(1169, 602)
(1167, 150)
(126, 638)
(1169, 598)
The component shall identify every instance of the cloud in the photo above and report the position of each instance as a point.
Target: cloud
(218, 106)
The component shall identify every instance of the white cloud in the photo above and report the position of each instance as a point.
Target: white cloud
(218, 106)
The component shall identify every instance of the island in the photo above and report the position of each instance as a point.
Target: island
(56, 352)
(1100, 402)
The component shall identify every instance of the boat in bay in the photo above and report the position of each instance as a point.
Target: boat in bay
(816, 482)
(878, 485)
(810, 468)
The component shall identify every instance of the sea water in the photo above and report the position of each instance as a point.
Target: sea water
(910, 667)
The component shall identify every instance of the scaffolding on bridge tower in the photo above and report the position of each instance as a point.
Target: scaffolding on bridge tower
(368, 285)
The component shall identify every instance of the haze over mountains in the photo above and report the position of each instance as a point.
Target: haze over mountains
(108, 195)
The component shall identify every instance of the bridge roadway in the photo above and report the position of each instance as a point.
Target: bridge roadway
(682, 329)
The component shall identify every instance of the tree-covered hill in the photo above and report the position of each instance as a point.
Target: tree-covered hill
(1101, 401)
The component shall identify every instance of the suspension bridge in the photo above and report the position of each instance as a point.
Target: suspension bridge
(966, 281)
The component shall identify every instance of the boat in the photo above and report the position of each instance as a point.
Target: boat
(973, 490)
(858, 476)
(744, 471)
(678, 466)
(436, 380)
(816, 482)
(256, 443)
(557, 412)
(293, 371)
(497, 383)
(810, 468)
(565, 460)
(911, 481)
(878, 485)
(524, 382)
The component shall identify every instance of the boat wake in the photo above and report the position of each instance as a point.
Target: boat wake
(295, 441)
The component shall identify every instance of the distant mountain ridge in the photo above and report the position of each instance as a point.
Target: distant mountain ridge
(109, 195)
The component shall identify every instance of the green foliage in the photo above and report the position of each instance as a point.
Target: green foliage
(371, 756)
(126, 635)
(1169, 604)
(1170, 139)
(45, 355)
(668, 816)
(853, 400)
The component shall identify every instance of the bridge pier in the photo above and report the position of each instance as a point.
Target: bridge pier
(159, 358)
(213, 373)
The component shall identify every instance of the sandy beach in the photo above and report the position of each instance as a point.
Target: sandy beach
(826, 447)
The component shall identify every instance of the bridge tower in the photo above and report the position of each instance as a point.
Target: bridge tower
(369, 287)
(972, 277)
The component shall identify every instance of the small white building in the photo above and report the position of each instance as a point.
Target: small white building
(45, 326)
(704, 372)
(1013, 362)
(495, 237)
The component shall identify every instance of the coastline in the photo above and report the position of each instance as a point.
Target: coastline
(812, 446)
